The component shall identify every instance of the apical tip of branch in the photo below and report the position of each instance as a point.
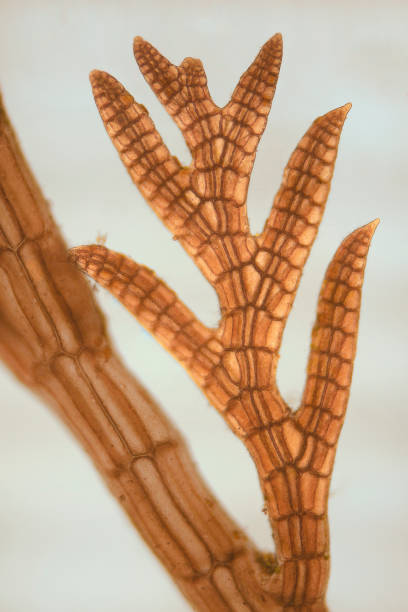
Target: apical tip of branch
(368, 228)
(100, 77)
(364, 233)
(343, 111)
(276, 39)
(78, 255)
(139, 42)
(93, 76)
(372, 226)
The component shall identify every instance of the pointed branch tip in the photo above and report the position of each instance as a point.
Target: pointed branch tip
(139, 42)
(276, 39)
(373, 224)
(339, 112)
(96, 77)
(77, 255)
(371, 227)
(368, 228)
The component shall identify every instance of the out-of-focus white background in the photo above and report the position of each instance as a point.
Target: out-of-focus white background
(64, 543)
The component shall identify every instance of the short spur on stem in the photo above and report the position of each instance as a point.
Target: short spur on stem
(255, 277)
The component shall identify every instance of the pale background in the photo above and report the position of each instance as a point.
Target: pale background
(64, 543)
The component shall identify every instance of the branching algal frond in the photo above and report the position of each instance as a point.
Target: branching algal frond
(256, 279)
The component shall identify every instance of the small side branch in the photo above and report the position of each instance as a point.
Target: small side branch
(290, 230)
(159, 176)
(154, 305)
(334, 343)
(181, 89)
